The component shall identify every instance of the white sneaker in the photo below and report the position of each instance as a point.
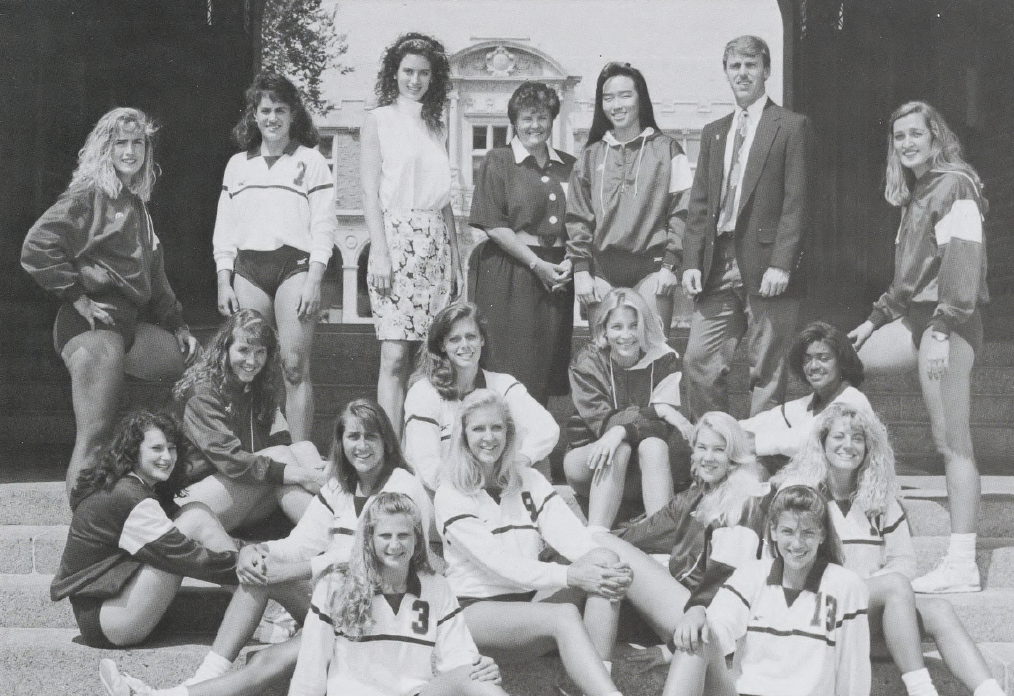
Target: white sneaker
(276, 626)
(949, 576)
(117, 684)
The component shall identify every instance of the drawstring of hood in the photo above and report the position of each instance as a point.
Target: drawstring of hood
(611, 142)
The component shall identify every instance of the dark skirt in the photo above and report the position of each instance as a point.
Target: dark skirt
(529, 327)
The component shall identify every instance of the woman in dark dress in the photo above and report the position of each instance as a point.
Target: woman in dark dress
(522, 283)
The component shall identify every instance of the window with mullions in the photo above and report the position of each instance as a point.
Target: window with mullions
(485, 138)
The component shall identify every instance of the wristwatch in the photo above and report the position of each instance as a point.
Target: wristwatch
(940, 336)
(671, 267)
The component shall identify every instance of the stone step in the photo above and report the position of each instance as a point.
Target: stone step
(929, 512)
(994, 556)
(54, 661)
(24, 603)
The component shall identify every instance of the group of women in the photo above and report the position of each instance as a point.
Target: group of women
(794, 574)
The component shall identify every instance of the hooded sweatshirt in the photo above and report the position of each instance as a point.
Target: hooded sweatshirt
(628, 196)
(607, 395)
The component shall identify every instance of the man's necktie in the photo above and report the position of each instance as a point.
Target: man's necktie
(727, 218)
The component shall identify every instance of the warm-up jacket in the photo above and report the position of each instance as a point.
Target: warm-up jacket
(227, 436)
(939, 255)
(607, 395)
(628, 196)
(114, 533)
(88, 243)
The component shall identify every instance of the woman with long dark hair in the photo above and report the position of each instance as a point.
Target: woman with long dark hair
(96, 249)
(129, 544)
(627, 202)
(275, 230)
(929, 319)
(414, 264)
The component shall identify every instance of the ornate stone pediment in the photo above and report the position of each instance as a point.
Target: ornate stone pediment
(505, 59)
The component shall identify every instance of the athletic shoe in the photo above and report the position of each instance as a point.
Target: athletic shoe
(949, 576)
(276, 626)
(117, 684)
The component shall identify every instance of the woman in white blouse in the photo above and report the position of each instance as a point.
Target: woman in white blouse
(414, 265)
(823, 357)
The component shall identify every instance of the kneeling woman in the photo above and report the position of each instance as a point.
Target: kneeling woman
(495, 518)
(626, 388)
(228, 403)
(448, 370)
(125, 557)
(849, 457)
(384, 622)
(800, 617)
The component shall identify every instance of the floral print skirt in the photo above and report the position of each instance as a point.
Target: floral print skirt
(420, 250)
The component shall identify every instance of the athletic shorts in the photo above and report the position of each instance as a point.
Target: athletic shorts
(509, 597)
(269, 269)
(86, 612)
(623, 269)
(920, 315)
(69, 322)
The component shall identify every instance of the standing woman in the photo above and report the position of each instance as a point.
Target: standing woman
(96, 249)
(627, 203)
(522, 284)
(406, 175)
(933, 305)
(275, 230)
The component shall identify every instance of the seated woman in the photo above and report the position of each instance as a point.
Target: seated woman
(849, 458)
(707, 531)
(448, 370)
(129, 544)
(365, 461)
(245, 463)
(495, 517)
(796, 621)
(823, 357)
(626, 387)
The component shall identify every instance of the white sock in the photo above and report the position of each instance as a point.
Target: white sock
(609, 666)
(988, 688)
(214, 666)
(175, 691)
(962, 548)
(918, 683)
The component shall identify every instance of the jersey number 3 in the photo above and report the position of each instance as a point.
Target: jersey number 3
(421, 625)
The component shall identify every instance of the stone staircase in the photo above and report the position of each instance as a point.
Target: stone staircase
(40, 649)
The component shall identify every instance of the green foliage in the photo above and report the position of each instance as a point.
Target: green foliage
(300, 39)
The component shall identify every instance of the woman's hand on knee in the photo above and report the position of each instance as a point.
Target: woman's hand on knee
(310, 480)
(93, 311)
(861, 334)
(610, 581)
(252, 565)
(602, 452)
(484, 668)
(692, 632)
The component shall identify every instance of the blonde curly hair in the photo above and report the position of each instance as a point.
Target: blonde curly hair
(95, 161)
(876, 484)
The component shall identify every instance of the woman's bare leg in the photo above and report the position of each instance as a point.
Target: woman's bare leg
(457, 682)
(605, 493)
(656, 474)
(131, 616)
(295, 340)
(392, 382)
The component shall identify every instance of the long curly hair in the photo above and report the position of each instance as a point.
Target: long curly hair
(435, 97)
(724, 502)
(120, 457)
(849, 364)
(95, 169)
(645, 111)
(374, 421)
(280, 89)
(213, 368)
(353, 585)
(947, 155)
(649, 327)
(876, 482)
(462, 469)
(804, 500)
(432, 362)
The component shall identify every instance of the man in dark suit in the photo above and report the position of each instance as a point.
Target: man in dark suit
(744, 239)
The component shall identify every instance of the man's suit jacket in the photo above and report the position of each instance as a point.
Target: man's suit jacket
(773, 206)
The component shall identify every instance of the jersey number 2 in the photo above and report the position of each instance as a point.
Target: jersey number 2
(421, 625)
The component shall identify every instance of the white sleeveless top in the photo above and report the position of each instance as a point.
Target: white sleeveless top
(415, 171)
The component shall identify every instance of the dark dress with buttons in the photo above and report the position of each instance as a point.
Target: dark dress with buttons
(530, 328)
